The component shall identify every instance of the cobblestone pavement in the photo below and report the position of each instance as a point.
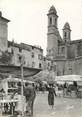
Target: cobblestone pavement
(63, 107)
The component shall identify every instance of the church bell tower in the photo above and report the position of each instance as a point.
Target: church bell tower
(66, 32)
(52, 39)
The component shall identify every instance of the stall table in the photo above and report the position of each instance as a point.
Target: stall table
(9, 102)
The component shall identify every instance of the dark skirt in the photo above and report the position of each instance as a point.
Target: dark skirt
(51, 99)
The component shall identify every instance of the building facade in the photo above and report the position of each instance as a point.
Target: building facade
(3, 33)
(32, 55)
(64, 52)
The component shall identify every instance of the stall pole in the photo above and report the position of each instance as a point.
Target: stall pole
(22, 78)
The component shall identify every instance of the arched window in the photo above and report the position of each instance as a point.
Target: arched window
(33, 64)
(65, 34)
(62, 50)
(32, 54)
(40, 65)
(50, 20)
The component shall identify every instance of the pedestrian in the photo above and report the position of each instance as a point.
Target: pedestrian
(65, 89)
(51, 93)
(33, 98)
(30, 95)
(75, 87)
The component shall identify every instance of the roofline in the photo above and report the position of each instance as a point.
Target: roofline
(4, 19)
(20, 46)
(76, 41)
(70, 42)
(32, 46)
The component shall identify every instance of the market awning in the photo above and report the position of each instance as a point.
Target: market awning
(69, 78)
(6, 70)
(45, 75)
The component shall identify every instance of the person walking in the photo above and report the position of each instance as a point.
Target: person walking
(30, 95)
(51, 93)
(65, 89)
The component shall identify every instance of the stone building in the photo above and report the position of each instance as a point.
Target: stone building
(3, 33)
(32, 54)
(64, 52)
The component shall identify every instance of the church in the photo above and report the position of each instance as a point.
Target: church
(64, 52)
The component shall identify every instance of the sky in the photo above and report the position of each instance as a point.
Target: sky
(29, 19)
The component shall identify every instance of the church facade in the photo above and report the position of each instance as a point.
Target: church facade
(64, 52)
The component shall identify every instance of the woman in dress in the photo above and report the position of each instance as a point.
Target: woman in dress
(51, 93)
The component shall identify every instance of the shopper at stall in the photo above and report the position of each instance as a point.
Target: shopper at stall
(65, 89)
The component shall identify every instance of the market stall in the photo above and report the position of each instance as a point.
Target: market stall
(8, 107)
(72, 85)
